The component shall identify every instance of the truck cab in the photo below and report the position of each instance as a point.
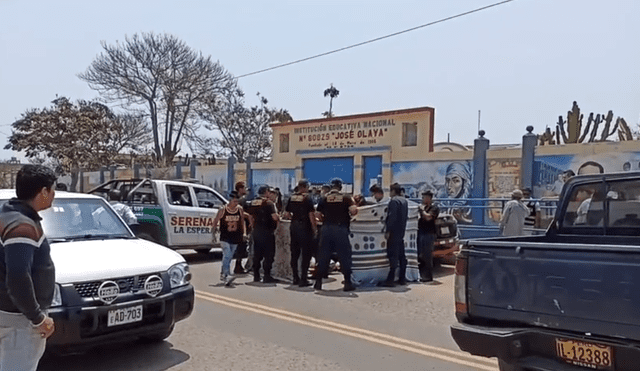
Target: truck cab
(176, 214)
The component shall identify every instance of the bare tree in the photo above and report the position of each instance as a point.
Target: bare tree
(164, 77)
(242, 129)
(332, 92)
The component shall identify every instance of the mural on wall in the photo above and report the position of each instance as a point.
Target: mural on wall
(449, 181)
(551, 172)
(284, 179)
(504, 177)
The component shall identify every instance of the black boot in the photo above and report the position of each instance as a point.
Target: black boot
(390, 278)
(402, 279)
(268, 279)
(318, 284)
(348, 286)
(238, 268)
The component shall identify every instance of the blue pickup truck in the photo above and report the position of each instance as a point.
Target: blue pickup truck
(566, 300)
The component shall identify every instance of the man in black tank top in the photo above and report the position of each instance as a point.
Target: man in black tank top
(303, 227)
(265, 222)
(337, 210)
(232, 233)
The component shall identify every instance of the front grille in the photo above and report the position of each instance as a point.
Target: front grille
(127, 284)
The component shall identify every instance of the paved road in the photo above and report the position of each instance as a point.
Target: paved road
(282, 327)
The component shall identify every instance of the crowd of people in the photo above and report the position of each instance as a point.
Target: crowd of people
(320, 221)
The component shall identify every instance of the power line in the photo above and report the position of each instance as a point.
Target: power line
(377, 39)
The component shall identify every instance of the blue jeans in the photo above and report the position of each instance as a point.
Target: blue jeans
(21, 345)
(228, 249)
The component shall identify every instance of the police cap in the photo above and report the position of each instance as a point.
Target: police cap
(336, 183)
(263, 189)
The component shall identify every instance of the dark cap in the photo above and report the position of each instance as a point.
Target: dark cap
(263, 189)
(336, 183)
(427, 193)
(397, 188)
(376, 189)
(234, 194)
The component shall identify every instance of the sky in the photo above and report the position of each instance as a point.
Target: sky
(521, 63)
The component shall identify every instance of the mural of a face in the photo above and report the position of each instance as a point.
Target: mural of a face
(590, 167)
(454, 184)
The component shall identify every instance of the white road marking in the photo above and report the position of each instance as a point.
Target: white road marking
(443, 354)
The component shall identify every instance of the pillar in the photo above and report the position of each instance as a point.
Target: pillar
(231, 174)
(529, 142)
(480, 178)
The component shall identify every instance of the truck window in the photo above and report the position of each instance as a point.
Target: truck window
(624, 204)
(179, 195)
(586, 206)
(207, 199)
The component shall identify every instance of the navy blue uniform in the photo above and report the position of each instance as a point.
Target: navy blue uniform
(264, 242)
(426, 239)
(301, 231)
(395, 225)
(335, 235)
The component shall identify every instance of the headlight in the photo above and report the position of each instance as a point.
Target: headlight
(179, 275)
(57, 298)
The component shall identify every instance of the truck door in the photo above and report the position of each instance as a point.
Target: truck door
(183, 216)
(208, 203)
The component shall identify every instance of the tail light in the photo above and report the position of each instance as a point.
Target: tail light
(460, 287)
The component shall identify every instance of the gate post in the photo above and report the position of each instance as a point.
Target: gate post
(480, 179)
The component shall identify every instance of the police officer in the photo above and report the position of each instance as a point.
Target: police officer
(337, 210)
(265, 221)
(303, 228)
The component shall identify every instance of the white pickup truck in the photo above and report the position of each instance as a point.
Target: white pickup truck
(173, 213)
(110, 285)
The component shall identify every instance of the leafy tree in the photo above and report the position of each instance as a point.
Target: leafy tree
(332, 92)
(241, 129)
(86, 134)
(165, 78)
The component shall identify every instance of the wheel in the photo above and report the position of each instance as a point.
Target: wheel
(158, 336)
(146, 236)
(503, 366)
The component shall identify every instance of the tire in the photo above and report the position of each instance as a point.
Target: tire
(158, 336)
(146, 236)
(503, 366)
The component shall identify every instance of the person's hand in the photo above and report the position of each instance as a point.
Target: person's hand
(46, 328)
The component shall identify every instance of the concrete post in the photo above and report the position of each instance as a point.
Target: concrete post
(250, 160)
(136, 171)
(102, 170)
(529, 142)
(178, 170)
(112, 173)
(231, 174)
(192, 167)
(480, 179)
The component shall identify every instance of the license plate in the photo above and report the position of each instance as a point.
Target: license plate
(444, 231)
(585, 354)
(124, 315)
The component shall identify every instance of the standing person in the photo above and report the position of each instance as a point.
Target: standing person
(532, 220)
(115, 199)
(27, 273)
(395, 226)
(303, 228)
(265, 222)
(512, 221)
(232, 233)
(336, 209)
(428, 213)
(241, 251)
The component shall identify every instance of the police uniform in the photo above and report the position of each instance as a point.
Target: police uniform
(335, 235)
(301, 231)
(264, 242)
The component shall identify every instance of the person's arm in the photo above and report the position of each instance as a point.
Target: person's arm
(274, 212)
(130, 217)
(392, 214)
(20, 244)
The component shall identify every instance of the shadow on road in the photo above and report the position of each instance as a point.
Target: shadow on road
(117, 357)
(194, 258)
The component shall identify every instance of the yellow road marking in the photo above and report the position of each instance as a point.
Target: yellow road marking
(443, 354)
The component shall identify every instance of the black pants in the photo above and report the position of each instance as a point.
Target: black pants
(301, 244)
(264, 248)
(335, 239)
(397, 257)
(425, 254)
